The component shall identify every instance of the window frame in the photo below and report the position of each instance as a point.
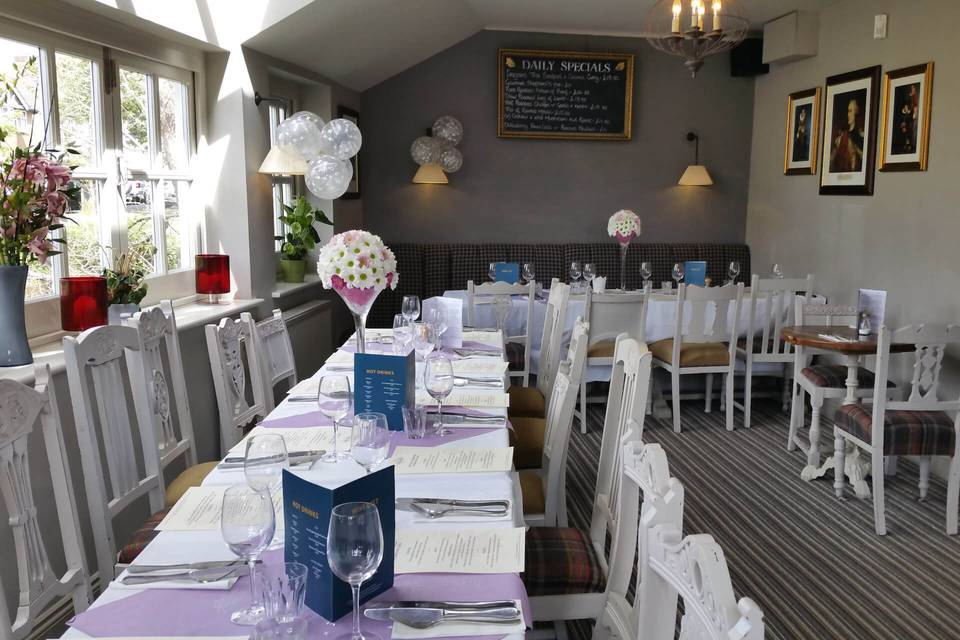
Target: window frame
(282, 188)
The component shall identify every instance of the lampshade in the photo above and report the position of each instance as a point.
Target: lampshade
(83, 302)
(696, 175)
(283, 162)
(213, 275)
(430, 173)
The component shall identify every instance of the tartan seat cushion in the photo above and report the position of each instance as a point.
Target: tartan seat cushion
(560, 560)
(515, 355)
(834, 376)
(141, 537)
(526, 402)
(905, 433)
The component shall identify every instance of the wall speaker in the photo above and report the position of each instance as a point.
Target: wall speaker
(746, 60)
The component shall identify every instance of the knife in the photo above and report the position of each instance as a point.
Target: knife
(295, 458)
(496, 506)
(459, 418)
(184, 566)
(194, 575)
(426, 617)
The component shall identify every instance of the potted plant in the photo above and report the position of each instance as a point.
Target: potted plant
(126, 281)
(35, 194)
(300, 238)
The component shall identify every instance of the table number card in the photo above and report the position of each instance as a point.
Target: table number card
(306, 510)
(452, 311)
(872, 302)
(385, 384)
(695, 272)
(506, 272)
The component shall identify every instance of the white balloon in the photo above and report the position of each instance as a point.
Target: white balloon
(450, 160)
(448, 129)
(301, 132)
(425, 150)
(328, 177)
(341, 138)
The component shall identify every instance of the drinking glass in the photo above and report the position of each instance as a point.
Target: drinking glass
(354, 552)
(410, 308)
(733, 270)
(438, 380)
(646, 272)
(423, 339)
(335, 400)
(589, 271)
(270, 629)
(414, 422)
(529, 273)
(369, 439)
(283, 588)
(677, 272)
(265, 460)
(402, 335)
(247, 524)
(777, 270)
(437, 322)
(575, 272)
(492, 272)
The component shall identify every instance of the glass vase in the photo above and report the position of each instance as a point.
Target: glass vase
(623, 265)
(358, 302)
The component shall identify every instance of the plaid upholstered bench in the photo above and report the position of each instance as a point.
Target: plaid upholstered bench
(428, 270)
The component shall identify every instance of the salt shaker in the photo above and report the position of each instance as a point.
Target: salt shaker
(864, 328)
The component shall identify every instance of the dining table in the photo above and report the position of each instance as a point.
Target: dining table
(203, 610)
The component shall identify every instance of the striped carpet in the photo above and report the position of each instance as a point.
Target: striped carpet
(814, 564)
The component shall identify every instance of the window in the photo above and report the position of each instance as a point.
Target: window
(283, 186)
(132, 131)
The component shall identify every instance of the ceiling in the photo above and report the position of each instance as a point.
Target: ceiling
(359, 43)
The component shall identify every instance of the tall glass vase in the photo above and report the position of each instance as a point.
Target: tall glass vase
(358, 301)
(623, 265)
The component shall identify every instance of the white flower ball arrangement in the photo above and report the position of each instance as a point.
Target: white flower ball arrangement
(624, 225)
(357, 265)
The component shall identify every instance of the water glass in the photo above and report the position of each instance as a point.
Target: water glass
(646, 272)
(438, 323)
(283, 588)
(677, 272)
(247, 524)
(354, 552)
(589, 272)
(410, 308)
(733, 270)
(265, 460)
(492, 272)
(777, 270)
(528, 273)
(369, 439)
(423, 339)
(270, 629)
(415, 422)
(666, 285)
(402, 335)
(438, 380)
(335, 399)
(576, 271)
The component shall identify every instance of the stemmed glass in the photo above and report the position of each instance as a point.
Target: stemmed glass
(410, 308)
(646, 272)
(335, 399)
(492, 272)
(777, 270)
(247, 524)
(423, 339)
(677, 272)
(438, 323)
(354, 552)
(402, 335)
(589, 272)
(265, 460)
(733, 270)
(369, 439)
(438, 380)
(529, 273)
(576, 271)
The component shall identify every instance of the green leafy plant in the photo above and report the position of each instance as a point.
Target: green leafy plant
(301, 235)
(126, 279)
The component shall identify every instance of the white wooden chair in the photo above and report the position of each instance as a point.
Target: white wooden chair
(499, 296)
(532, 401)
(544, 489)
(158, 340)
(609, 315)
(39, 586)
(918, 426)
(773, 304)
(98, 388)
(704, 341)
(272, 342)
(233, 357)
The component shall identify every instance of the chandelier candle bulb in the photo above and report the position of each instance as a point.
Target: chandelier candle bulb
(694, 4)
(700, 11)
(677, 8)
(717, 6)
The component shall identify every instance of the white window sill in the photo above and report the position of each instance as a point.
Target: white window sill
(283, 289)
(49, 349)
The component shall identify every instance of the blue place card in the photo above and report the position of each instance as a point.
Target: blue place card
(506, 272)
(695, 272)
(385, 384)
(306, 514)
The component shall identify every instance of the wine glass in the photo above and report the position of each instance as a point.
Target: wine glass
(589, 272)
(733, 270)
(529, 273)
(335, 399)
(777, 270)
(646, 272)
(438, 380)
(410, 308)
(265, 460)
(354, 552)
(402, 335)
(423, 339)
(677, 272)
(369, 439)
(492, 272)
(247, 524)
(576, 271)
(438, 322)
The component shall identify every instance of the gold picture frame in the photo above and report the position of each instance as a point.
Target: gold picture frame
(905, 126)
(802, 133)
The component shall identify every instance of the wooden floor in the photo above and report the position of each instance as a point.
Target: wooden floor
(812, 563)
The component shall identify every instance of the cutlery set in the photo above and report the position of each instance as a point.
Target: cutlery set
(439, 507)
(295, 458)
(200, 572)
(459, 418)
(423, 615)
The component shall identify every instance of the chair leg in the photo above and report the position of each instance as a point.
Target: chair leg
(583, 406)
(839, 458)
(747, 393)
(708, 396)
(953, 492)
(650, 395)
(796, 418)
(729, 393)
(675, 396)
(723, 393)
(879, 518)
(787, 376)
(890, 465)
(924, 477)
(813, 448)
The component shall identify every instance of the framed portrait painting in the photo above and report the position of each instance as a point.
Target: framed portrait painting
(803, 121)
(353, 189)
(905, 127)
(848, 153)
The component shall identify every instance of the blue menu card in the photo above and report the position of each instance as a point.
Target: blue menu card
(306, 514)
(695, 272)
(506, 272)
(385, 384)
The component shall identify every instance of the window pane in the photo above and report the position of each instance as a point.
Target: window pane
(84, 253)
(22, 109)
(138, 197)
(39, 280)
(173, 192)
(173, 124)
(75, 101)
(134, 119)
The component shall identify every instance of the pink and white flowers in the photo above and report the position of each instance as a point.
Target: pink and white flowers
(357, 265)
(624, 225)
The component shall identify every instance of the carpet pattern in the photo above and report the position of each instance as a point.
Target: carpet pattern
(813, 564)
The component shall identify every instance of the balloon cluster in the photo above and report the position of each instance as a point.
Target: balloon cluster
(326, 148)
(441, 147)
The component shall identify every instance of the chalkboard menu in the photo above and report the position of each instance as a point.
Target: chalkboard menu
(559, 94)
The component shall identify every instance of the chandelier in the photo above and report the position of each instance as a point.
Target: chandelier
(694, 29)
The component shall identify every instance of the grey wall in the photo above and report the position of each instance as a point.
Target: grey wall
(530, 190)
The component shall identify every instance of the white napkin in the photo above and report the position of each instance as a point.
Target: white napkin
(222, 585)
(457, 629)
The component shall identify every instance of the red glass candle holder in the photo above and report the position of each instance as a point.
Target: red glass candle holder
(213, 275)
(83, 302)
